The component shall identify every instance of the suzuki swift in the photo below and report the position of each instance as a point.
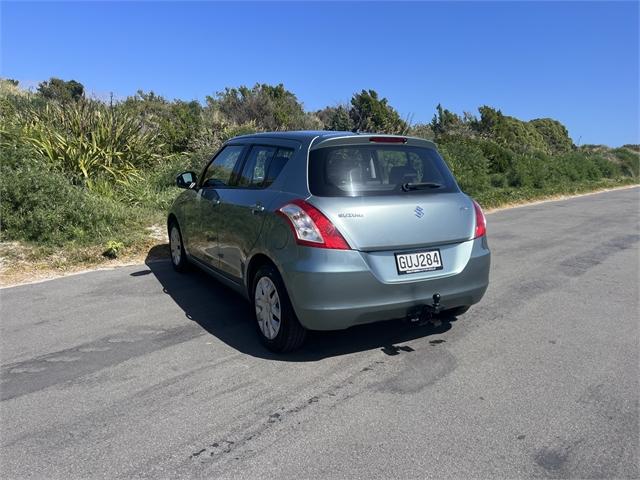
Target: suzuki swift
(326, 230)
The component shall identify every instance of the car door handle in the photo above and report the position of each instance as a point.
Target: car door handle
(257, 208)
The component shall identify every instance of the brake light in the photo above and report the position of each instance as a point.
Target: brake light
(310, 227)
(388, 139)
(481, 221)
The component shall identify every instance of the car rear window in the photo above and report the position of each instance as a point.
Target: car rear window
(369, 170)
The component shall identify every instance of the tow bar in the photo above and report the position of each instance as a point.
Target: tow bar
(427, 313)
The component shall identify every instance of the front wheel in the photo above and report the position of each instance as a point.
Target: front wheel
(178, 255)
(278, 327)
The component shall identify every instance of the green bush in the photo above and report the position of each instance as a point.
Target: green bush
(500, 158)
(528, 170)
(41, 205)
(178, 123)
(80, 172)
(468, 164)
(509, 131)
(555, 135)
(629, 160)
(113, 249)
(580, 166)
(498, 180)
(156, 187)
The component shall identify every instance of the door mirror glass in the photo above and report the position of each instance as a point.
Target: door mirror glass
(186, 180)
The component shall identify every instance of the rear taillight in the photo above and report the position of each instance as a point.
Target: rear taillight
(310, 227)
(481, 221)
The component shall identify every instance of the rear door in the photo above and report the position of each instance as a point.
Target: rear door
(243, 207)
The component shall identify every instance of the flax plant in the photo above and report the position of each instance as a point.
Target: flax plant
(88, 141)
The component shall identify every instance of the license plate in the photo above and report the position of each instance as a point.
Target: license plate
(415, 262)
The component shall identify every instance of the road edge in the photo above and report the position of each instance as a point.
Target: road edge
(558, 198)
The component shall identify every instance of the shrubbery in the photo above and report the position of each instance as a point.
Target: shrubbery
(468, 163)
(81, 171)
(42, 206)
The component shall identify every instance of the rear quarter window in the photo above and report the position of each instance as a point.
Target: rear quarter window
(369, 170)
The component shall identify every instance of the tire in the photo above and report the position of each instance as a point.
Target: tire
(269, 299)
(176, 248)
(455, 312)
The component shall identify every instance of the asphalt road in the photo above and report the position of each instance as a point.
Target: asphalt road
(140, 372)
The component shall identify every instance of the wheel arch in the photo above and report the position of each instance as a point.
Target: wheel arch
(254, 264)
(171, 218)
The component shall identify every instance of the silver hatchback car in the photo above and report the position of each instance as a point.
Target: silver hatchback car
(326, 230)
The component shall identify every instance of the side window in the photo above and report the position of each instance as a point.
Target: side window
(263, 165)
(219, 173)
(277, 164)
(255, 168)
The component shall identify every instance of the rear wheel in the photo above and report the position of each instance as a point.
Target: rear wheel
(278, 326)
(176, 246)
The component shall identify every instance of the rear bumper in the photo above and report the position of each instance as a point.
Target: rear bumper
(334, 290)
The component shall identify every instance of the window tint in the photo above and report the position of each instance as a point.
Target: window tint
(263, 165)
(219, 173)
(255, 168)
(277, 164)
(377, 170)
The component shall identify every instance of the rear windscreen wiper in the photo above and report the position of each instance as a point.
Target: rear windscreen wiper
(420, 186)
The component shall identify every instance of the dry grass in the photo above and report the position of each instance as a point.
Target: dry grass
(21, 263)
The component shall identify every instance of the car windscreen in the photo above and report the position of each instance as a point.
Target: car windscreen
(371, 170)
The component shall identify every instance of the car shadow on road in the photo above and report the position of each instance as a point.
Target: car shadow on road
(226, 315)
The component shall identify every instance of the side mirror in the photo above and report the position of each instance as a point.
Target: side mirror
(186, 180)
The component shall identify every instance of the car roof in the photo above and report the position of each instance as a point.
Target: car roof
(321, 136)
(300, 135)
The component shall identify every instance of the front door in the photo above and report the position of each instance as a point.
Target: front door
(217, 178)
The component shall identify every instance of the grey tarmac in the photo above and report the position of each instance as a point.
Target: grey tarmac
(140, 372)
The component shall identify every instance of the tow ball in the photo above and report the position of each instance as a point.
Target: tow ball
(427, 313)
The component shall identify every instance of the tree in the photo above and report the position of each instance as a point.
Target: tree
(555, 135)
(489, 119)
(270, 107)
(178, 122)
(422, 130)
(336, 118)
(181, 125)
(444, 121)
(60, 90)
(510, 132)
(372, 114)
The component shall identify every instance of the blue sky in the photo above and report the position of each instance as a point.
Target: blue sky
(575, 62)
